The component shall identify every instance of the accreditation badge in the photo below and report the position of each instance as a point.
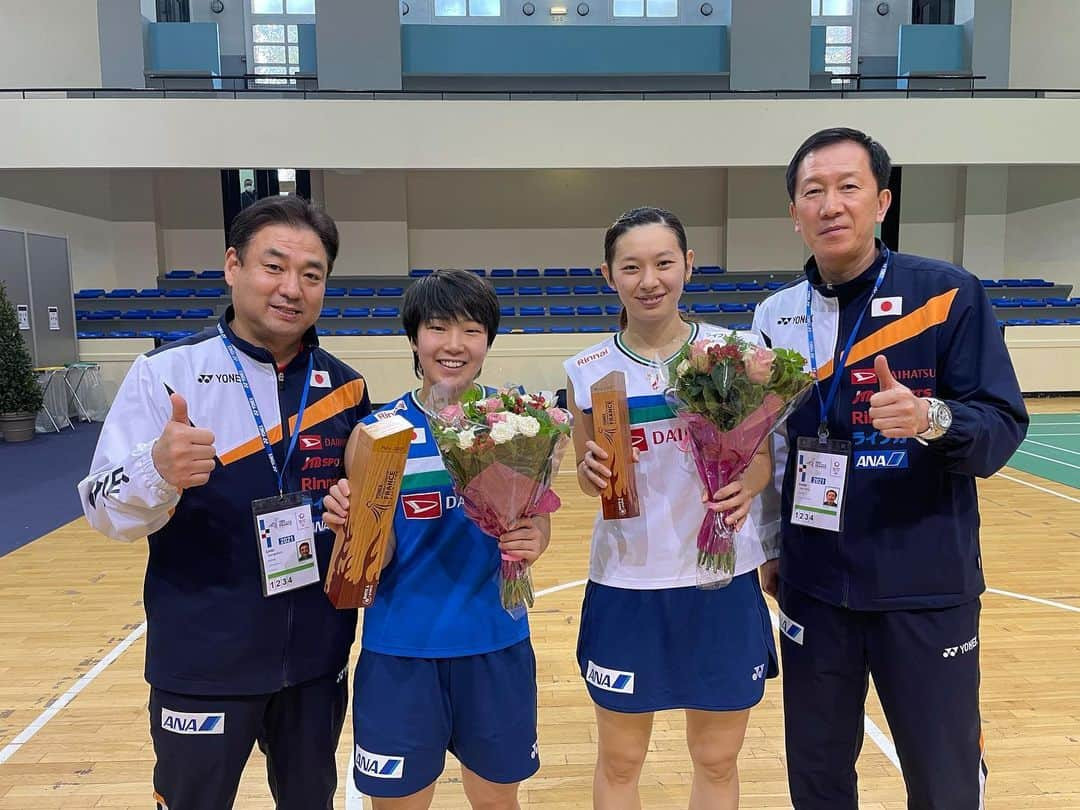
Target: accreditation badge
(820, 477)
(286, 535)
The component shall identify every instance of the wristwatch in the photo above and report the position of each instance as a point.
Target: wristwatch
(940, 418)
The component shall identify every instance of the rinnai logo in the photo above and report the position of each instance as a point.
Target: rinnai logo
(399, 406)
(221, 378)
(422, 505)
(638, 440)
(788, 320)
(583, 361)
(863, 376)
(320, 379)
(184, 723)
(611, 680)
(886, 307)
(379, 766)
(310, 442)
(793, 631)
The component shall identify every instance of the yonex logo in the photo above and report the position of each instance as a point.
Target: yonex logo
(422, 505)
(759, 672)
(379, 766)
(963, 649)
(611, 680)
(787, 320)
(221, 378)
(793, 631)
(186, 723)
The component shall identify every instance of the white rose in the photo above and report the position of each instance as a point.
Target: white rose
(527, 425)
(683, 367)
(502, 432)
(466, 438)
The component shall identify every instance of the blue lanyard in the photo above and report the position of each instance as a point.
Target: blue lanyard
(826, 402)
(258, 417)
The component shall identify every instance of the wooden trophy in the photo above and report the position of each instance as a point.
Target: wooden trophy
(375, 475)
(611, 430)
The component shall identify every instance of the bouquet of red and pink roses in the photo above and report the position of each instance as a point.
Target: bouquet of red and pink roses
(730, 395)
(501, 451)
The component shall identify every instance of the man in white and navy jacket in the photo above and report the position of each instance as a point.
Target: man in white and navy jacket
(916, 397)
(201, 433)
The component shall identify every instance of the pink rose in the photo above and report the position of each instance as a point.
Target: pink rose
(452, 413)
(495, 418)
(558, 416)
(759, 364)
(492, 404)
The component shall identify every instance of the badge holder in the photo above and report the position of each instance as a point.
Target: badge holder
(821, 483)
(286, 536)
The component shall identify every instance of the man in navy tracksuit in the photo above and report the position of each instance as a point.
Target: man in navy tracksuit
(217, 447)
(916, 397)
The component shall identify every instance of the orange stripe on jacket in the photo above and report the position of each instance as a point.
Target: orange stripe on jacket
(932, 313)
(347, 396)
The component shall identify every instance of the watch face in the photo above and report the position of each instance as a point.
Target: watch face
(943, 416)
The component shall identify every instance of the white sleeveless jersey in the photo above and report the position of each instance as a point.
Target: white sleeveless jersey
(658, 548)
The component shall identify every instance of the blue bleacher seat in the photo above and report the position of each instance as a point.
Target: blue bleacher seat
(731, 307)
(178, 334)
(502, 272)
(420, 272)
(598, 272)
(555, 272)
(607, 289)
(578, 272)
(150, 333)
(557, 310)
(696, 287)
(775, 285)
(1004, 302)
(93, 292)
(330, 312)
(87, 334)
(180, 292)
(590, 310)
(503, 330)
(135, 314)
(121, 292)
(612, 309)
(1036, 282)
(562, 330)
(533, 330)
(1061, 302)
(1032, 302)
(742, 326)
(175, 274)
(348, 332)
(102, 315)
(528, 272)
(531, 311)
(1019, 322)
(724, 286)
(989, 282)
(1049, 321)
(683, 308)
(705, 308)
(591, 328)
(80, 314)
(150, 293)
(322, 332)
(389, 292)
(121, 333)
(335, 292)
(164, 314)
(361, 292)
(477, 271)
(557, 289)
(710, 269)
(197, 313)
(747, 286)
(530, 290)
(1011, 282)
(212, 273)
(355, 312)
(210, 292)
(504, 290)
(385, 312)
(507, 312)
(380, 332)
(1073, 321)
(586, 289)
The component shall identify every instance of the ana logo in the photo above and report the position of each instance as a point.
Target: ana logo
(793, 631)
(310, 442)
(881, 459)
(399, 406)
(787, 320)
(638, 440)
(422, 505)
(583, 361)
(610, 680)
(863, 376)
(759, 673)
(883, 307)
(319, 379)
(183, 723)
(221, 378)
(379, 766)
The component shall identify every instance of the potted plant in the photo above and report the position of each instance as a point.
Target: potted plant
(20, 395)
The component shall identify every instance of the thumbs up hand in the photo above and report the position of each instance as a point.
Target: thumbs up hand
(183, 455)
(895, 412)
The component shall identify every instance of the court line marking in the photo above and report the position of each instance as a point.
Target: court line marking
(1051, 460)
(1036, 486)
(1053, 447)
(1045, 435)
(61, 702)
(1036, 599)
(1056, 424)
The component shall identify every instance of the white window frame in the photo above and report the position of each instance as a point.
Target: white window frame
(644, 15)
(468, 15)
(286, 19)
(849, 20)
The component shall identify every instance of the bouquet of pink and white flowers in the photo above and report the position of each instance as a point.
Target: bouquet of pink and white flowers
(501, 450)
(730, 395)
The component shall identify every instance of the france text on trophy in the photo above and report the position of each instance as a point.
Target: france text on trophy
(611, 429)
(375, 483)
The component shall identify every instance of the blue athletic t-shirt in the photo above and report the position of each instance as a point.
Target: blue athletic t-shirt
(439, 595)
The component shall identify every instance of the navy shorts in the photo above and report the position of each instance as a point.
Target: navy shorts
(676, 648)
(408, 712)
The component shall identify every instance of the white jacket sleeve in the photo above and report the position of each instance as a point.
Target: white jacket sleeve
(765, 508)
(124, 497)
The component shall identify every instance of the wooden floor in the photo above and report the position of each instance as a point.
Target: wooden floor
(68, 599)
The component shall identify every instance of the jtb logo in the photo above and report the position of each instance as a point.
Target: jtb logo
(182, 723)
(611, 680)
(379, 765)
(884, 459)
